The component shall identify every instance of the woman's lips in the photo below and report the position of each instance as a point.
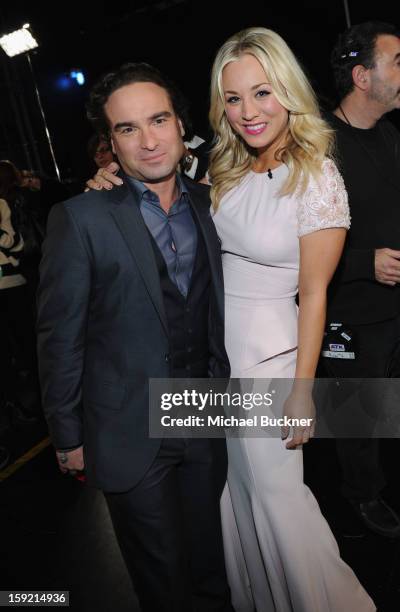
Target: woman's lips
(255, 129)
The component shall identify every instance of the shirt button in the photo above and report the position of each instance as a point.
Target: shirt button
(189, 349)
(187, 368)
(190, 330)
(187, 309)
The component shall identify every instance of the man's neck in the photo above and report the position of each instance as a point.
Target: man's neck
(358, 112)
(166, 190)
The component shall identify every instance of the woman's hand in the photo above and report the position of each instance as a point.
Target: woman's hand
(105, 178)
(299, 405)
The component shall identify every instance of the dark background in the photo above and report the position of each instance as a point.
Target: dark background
(181, 37)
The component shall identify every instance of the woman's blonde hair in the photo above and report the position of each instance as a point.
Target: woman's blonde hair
(310, 139)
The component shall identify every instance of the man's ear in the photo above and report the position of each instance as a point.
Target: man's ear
(361, 77)
(182, 129)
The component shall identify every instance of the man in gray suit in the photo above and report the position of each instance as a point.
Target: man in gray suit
(131, 288)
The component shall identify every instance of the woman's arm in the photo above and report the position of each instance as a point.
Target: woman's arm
(323, 218)
(320, 252)
(319, 256)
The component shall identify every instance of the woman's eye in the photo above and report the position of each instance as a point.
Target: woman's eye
(232, 99)
(262, 93)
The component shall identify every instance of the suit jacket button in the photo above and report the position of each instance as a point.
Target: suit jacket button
(167, 357)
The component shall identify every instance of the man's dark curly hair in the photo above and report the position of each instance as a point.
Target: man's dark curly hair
(356, 46)
(127, 74)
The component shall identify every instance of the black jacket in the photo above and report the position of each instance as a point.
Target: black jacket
(102, 329)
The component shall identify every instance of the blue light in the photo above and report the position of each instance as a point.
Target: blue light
(64, 82)
(78, 76)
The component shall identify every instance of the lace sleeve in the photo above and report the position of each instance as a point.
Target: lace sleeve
(324, 203)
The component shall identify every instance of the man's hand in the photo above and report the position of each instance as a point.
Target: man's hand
(71, 461)
(105, 178)
(387, 266)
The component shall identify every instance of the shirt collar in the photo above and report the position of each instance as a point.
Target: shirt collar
(144, 192)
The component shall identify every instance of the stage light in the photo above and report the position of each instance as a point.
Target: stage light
(19, 41)
(78, 76)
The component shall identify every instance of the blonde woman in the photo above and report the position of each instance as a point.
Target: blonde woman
(281, 212)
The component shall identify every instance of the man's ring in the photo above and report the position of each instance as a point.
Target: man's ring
(63, 457)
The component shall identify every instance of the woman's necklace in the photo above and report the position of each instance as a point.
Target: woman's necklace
(268, 171)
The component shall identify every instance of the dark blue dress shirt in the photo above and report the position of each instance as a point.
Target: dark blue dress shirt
(175, 232)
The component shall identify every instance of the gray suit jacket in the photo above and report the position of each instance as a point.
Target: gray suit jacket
(102, 329)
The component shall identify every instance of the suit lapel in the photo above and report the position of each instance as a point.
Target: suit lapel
(200, 204)
(130, 223)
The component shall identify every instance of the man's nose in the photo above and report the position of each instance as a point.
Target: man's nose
(148, 140)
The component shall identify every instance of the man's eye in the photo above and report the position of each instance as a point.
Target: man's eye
(160, 120)
(127, 130)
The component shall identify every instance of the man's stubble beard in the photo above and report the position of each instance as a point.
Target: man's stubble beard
(385, 95)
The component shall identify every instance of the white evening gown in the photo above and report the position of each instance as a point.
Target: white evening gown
(280, 553)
